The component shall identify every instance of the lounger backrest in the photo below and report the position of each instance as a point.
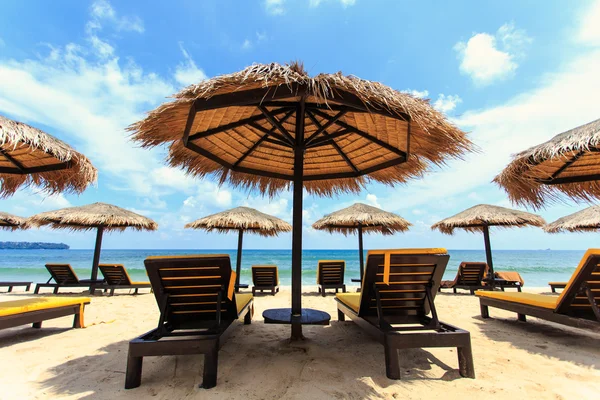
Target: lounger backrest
(188, 287)
(331, 272)
(411, 271)
(471, 273)
(265, 275)
(573, 300)
(62, 273)
(115, 274)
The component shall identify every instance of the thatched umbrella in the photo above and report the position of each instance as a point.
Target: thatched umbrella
(29, 156)
(362, 218)
(241, 219)
(100, 216)
(586, 220)
(568, 164)
(272, 126)
(12, 222)
(480, 217)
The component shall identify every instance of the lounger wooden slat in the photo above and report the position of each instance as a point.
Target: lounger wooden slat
(265, 277)
(33, 311)
(117, 277)
(577, 305)
(330, 275)
(198, 305)
(390, 309)
(10, 285)
(63, 275)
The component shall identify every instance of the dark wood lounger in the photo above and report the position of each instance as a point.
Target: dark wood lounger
(198, 305)
(557, 285)
(64, 277)
(395, 312)
(468, 277)
(34, 311)
(577, 305)
(117, 277)
(265, 277)
(10, 285)
(330, 275)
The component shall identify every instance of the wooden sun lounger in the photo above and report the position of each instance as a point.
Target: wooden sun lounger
(116, 277)
(398, 293)
(10, 285)
(507, 280)
(64, 276)
(198, 305)
(557, 285)
(330, 275)
(468, 277)
(577, 305)
(34, 311)
(265, 277)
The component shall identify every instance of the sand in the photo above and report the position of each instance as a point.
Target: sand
(512, 359)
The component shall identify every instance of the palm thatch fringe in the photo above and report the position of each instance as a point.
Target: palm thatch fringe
(475, 218)
(571, 154)
(12, 222)
(586, 220)
(32, 148)
(244, 218)
(372, 219)
(92, 216)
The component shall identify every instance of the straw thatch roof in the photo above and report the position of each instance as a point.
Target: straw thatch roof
(91, 216)
(12, 222)
(586, 220)
(371, 218)
(475, 218)
(245, 218)
(567, 164)
(242, 130)
(29, 156)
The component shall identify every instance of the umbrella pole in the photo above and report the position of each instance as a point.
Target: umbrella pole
(297, 225)
(238, 266)
(360, 251)
(488, 253)
(96, 258)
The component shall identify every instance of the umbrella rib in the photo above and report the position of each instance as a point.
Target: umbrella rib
(365, 135)
(233, 125)
(323, 141)
(13, 161)
(567, 165)
(259, 141)
(277, 124)
(270, 133)
(322, 129)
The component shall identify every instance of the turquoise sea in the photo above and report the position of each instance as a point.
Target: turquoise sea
(537, 267)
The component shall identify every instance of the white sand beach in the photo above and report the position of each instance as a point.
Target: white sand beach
(512, 359)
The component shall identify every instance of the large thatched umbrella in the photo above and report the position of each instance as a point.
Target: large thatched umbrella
(100, 216)
(586, 220)
(362, 218)
(273, 126)
(12, 222)
(241, 219)
(568, 164)
(29, 156)
(479, 219)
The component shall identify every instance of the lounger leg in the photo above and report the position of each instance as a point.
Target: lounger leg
(28, 287)
(10, 289)
(112, 292)
(323, 292)
(37, 325)
(454, 290)
(135, 291)
(392, 363)
(55, 290)
(77, 321)
(519, 289)
(341, 316)
(211, 361)
(133, 375)
(37, 289)
(253, 291)
(465, 361)
(522, 317)
(472, 292)
(273, 291)
(248, 316)
(485, 311)
(344, 289)
(552, 288)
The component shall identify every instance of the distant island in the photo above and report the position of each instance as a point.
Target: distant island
(33, 246)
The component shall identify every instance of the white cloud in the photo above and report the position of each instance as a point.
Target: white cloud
(344, 3)
(447, 103)
(247, 45)
(103, 49)
(187, 72)
(589, 31)
(417, 93)
(372, 200)
(487, 58)
(275, 7)
(102, 10)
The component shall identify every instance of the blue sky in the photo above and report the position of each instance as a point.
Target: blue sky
(511, 73)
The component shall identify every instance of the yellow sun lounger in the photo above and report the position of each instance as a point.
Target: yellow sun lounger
(34, 311)
(577, 305)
